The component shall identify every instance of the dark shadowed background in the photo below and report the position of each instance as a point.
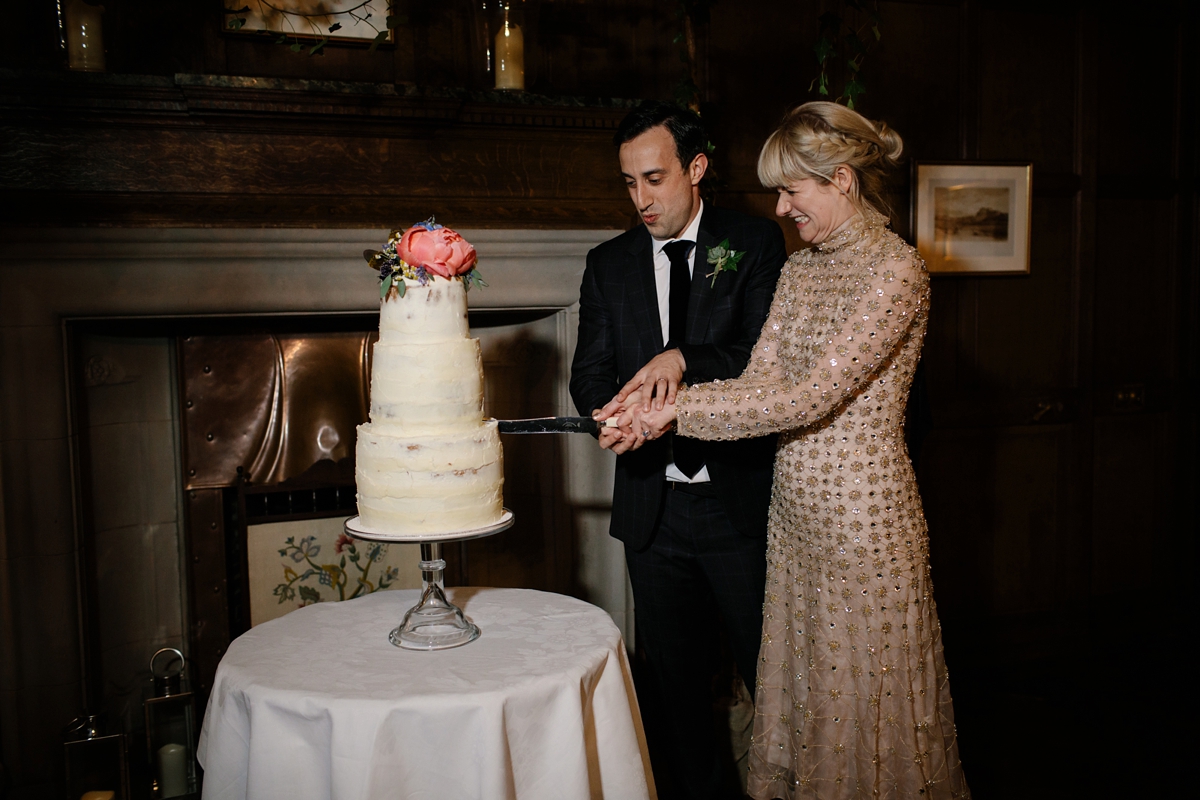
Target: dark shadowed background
(1054, 443)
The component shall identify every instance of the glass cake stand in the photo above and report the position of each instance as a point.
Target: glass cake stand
(434, 623)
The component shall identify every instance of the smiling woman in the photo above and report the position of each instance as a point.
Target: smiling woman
(832, 161)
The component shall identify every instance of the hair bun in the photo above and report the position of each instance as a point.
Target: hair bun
(891, 143)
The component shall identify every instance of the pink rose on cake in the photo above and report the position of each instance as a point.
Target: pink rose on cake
(439, 250)
(424, 251)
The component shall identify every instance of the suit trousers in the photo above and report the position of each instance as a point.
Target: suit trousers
(697, 575)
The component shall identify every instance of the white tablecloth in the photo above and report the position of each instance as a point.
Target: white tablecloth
(318, 704)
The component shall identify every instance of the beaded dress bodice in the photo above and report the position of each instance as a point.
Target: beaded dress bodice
(852, 697)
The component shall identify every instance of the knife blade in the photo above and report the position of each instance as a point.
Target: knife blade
(550, 425)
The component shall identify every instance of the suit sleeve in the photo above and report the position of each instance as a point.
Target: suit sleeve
(710, 362)
(594, 368)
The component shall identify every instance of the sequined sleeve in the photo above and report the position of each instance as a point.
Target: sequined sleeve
(811, 358)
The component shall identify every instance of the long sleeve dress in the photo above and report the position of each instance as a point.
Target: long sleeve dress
(852, 698)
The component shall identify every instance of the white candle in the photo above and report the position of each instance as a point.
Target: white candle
(85, 43)
(510, 57)
(172, 770)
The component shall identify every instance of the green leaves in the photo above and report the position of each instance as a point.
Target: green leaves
(309, 594)
(393, 280)
(724, 259)
(379, 39)
(843, 35)
(473, 278)
(854, 88)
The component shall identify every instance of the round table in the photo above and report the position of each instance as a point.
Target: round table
(318, 704)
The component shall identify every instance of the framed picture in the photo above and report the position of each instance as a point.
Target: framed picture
(972, 218)
(337, 20)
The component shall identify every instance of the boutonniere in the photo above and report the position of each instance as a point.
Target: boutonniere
(724, 259)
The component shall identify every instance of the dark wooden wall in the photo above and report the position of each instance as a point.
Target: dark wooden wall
(1057, 470)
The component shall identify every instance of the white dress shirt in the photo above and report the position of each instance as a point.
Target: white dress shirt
(662, 285)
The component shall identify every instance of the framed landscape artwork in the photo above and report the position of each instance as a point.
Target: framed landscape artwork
(972, 218)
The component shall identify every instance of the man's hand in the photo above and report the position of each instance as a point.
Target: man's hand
(658, 382)
(615, 439)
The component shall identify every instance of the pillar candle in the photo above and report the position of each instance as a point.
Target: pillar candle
(172, 770)
(85, 42)
(510, 57)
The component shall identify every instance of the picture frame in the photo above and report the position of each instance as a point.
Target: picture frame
(344, 21)
(973, 217)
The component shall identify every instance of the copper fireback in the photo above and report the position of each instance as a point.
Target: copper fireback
(273, 404)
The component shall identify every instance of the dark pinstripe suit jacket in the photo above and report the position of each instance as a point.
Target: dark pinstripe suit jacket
(620, 330)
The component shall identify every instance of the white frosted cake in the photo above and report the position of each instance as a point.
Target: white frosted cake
(427, 463)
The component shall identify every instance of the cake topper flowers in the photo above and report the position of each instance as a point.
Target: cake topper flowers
(422, 252)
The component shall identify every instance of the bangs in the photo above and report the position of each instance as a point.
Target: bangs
(780, 165)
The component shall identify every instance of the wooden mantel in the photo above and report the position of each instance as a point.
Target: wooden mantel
(220, 151)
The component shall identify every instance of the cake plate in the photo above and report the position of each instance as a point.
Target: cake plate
(434, 623)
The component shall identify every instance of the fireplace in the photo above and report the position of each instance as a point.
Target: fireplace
(115, 541)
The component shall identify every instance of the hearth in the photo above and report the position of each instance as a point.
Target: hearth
(133, 496)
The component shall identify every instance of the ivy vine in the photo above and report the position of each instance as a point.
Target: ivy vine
(848, 31)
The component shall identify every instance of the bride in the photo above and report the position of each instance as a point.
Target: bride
(852, 697)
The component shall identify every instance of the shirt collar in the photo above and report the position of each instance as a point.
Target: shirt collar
(689, 233)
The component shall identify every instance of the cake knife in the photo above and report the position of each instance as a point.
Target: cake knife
(554, 425)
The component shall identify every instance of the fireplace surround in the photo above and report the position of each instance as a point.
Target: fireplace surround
(55, 283)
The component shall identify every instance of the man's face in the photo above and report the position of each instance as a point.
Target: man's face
(666, 194)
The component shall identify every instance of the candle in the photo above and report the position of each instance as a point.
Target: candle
(85, 43)
(172, 770)
(510, 56)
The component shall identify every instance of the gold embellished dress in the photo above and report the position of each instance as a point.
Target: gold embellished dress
(852, 698)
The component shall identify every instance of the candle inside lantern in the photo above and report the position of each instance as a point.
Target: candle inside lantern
(172, 770)
(510, 56)
(85, 42)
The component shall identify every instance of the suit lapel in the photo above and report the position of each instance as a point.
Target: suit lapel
(700, 300)
(643, 295)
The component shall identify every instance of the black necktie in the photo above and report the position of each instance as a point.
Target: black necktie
(681, 286)
(687, 458)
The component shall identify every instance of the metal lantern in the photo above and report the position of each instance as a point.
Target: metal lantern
(170, 728)
(97, 765)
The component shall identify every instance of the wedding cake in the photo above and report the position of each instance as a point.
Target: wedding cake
(427, 462)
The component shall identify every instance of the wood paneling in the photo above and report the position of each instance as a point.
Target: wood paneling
(186, 152)
(1041, 531)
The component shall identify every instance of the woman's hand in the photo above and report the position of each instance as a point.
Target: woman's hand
(647, 425)
(658, 381)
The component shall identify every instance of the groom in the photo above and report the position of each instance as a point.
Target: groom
(692, 515)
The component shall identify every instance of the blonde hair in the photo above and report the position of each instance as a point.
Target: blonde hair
(816, 138)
